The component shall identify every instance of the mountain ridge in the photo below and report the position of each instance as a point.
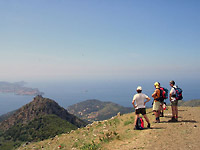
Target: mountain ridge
(96, 110)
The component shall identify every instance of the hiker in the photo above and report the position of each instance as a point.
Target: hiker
(156, 102)
(162, 102)
(174, 102)
(140, 108)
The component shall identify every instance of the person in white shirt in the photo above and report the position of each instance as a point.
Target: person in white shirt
(174, 102)
(140, 108)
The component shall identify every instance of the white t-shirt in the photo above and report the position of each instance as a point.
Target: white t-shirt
(139, 100)
(173, 92)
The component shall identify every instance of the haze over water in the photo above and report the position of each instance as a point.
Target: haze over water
(67, 93)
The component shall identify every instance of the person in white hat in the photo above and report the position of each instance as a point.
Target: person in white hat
(140, 108)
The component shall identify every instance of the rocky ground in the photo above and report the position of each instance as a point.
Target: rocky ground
(181, 135)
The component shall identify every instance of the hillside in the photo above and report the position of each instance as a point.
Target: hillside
(39, 107)
(191, 103)
(118, 133)
(96, 110)
(38, 120)
(7, 115)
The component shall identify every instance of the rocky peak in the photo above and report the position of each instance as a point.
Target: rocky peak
(39, 107)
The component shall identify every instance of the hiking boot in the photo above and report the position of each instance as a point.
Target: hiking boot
(148, 126)
(173, 120)
(157, 121)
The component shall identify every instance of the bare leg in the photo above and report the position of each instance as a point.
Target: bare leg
(136, 116)
(173, 111)
(146, 118)
(162, 110)
(157, 115)
(176, 112)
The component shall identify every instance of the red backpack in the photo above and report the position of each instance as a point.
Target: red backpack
(163, 94)
(140, 123)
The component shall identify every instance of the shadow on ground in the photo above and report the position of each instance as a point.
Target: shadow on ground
(188, 121)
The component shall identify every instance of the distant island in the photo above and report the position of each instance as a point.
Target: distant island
(18, 88)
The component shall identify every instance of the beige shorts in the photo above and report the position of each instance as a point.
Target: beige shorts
(156, 106)
(174, 103)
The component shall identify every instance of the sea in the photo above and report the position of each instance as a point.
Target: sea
(67, 93)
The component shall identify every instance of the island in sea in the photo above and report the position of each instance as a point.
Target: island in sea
(18, 88)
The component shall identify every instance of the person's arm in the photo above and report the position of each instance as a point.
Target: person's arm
(170, 96)
(154, 94)
(133, 102)
(148, 99)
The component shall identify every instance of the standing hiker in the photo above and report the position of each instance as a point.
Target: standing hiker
(174, 102)
(140, 108)
(163, 96)
(156, 103)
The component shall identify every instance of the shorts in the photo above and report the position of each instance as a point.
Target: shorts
(174, 103)
(140, 111)
(156, 106)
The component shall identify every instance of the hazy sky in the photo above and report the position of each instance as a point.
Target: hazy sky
(99, 39)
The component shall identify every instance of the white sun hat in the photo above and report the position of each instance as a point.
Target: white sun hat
(139, 88)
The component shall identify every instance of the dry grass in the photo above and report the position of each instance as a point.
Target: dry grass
(117, 133)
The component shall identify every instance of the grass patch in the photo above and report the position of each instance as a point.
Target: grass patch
(90, 146)
(131, 121)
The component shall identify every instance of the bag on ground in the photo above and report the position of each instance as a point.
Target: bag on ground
(140, 123)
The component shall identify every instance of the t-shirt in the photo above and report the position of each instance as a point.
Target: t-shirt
(173, 92)
(139, 100)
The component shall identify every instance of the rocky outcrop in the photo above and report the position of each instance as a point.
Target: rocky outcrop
(39, 107)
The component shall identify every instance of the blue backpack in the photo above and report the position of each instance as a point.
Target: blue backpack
(178, 94)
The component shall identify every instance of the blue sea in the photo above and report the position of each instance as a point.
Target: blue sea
(67, 93)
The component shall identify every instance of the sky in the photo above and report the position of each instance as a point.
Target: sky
(99, 39)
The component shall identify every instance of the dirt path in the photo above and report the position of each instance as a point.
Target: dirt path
(182, 135)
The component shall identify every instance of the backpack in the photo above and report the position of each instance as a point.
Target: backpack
(178, 94)
(140, 123)
(163, 94)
